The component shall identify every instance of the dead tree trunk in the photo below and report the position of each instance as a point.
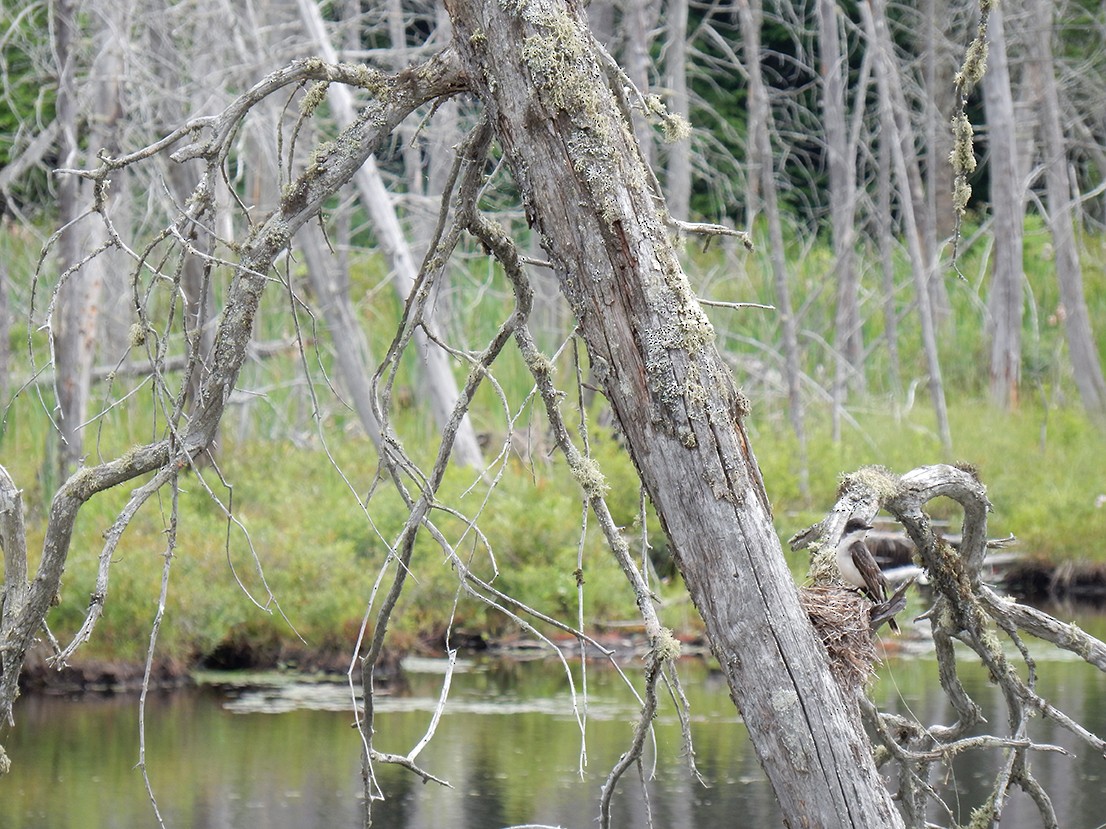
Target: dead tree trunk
(678, 172)
(763, 172)
(636, 24)
(73, 330)
(571, 150)
(439, 384)
(842, 201)
(1085, 362)
(895, 115)
(351, 350)
(1004, 301)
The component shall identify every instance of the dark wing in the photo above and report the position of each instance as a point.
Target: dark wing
(886, 611)
(875, 585)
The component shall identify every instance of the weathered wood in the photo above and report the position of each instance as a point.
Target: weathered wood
(587, 192)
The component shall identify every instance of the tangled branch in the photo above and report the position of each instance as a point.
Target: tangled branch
(967, 611)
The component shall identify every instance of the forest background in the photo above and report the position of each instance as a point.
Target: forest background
(924, 306)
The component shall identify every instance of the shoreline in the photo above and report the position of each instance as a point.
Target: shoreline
(95, 675)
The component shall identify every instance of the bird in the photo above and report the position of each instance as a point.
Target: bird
(858, 567)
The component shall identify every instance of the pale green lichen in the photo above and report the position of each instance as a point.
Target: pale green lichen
(961, 195)
(878, 480)
(784, 701)
(593, 160)
(556, 60)
(673, 126)
(539, 365)
(322, 153)
(695, 395)
(81, 481)
(974, 66)
(983, 816)
(367, 78)
(127, 458)
(823, 564)
(590, 477)
(313, 98)
(962, 155)
(136, 336)
(666, 647)
(568, 79)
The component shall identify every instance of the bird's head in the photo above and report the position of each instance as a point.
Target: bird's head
(856, 528)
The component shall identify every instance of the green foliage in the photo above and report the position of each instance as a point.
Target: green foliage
(26, 98)
(304, 537)
(1042, 469)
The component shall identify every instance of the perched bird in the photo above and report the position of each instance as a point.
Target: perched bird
(858, 567)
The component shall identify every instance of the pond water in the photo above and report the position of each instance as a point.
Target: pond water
(283, 754)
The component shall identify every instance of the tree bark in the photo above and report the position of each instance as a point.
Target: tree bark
(1004, 301)
(1082, 348)
(585, 189)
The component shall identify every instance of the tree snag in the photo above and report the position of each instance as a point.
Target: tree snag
(556, 106)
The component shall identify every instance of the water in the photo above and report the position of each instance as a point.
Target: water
(284, 756)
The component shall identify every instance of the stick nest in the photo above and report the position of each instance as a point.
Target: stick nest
(842, 620)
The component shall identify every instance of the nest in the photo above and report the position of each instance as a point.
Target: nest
(842, 618)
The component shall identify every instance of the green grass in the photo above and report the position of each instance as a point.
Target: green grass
(310, 557)
(320, 555)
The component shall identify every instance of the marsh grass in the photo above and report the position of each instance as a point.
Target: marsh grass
(316, 555)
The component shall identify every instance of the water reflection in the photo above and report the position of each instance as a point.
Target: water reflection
(286, 756)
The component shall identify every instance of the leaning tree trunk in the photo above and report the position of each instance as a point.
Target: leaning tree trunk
(438, 383)
(1004, 301)
(842, 202)
(894, 114)
(762, 171)
(586, 191)
(351, 352)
